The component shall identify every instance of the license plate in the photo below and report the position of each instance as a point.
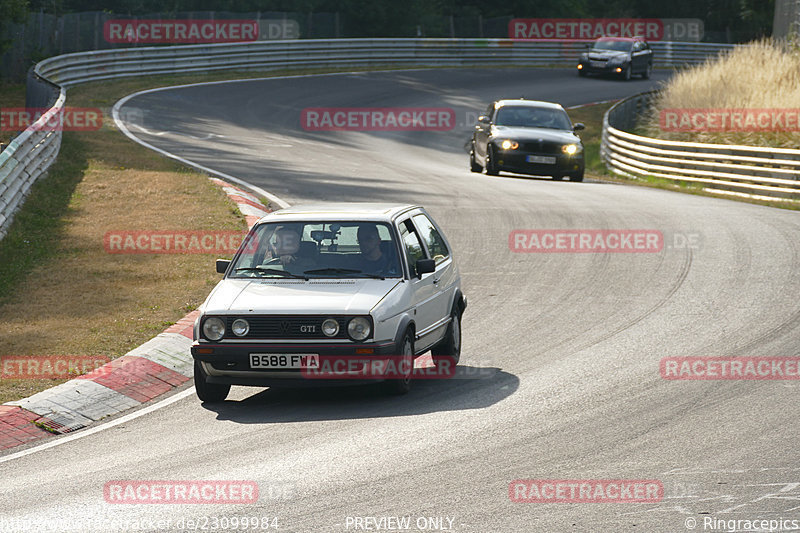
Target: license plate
(597, 63)
(296, 361)
(547, 160)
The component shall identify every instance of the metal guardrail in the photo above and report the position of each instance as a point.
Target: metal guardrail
(29, 155)
(745, 170)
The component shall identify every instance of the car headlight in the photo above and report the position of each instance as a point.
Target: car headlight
(213, 328)
(619, 60)
(240, 327)
(571, 149)
(508, 144)
(330, 327)
(358, 328)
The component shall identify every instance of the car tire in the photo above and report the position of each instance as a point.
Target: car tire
(582, 73)
(447, 353)
(491, 164)
(403, 385)
(473, 165)
(208, 392)
(647, 72)
(626, 74)
(576, 177)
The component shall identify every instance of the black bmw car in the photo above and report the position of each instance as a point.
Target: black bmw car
(618, 56)
(527, 137)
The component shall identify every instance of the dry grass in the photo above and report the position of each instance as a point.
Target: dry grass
(762, 75)
(76, 299)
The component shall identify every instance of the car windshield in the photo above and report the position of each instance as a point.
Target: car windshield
(533, 117)
(618, 46)
(341, 249)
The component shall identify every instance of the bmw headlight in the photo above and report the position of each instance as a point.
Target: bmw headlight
(508, 144)
(213, 328)
(240, 327)
(330, 327)
(358, 328)
(571, 149)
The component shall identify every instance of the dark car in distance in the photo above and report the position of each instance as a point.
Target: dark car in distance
(527, 137)
(618, 56)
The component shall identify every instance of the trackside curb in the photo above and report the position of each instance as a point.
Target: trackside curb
(143, 374)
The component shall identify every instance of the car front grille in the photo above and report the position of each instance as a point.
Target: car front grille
(541, 147)
(286, 327)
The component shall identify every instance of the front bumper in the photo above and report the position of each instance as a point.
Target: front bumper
(513, 161)
(602, 69)
(229, 364)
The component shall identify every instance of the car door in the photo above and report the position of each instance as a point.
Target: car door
(424, 291)
(482, 132)
(445, 277)
(638, 57)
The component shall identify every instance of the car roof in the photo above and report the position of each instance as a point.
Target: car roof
(339, 211)
(528, 103)
(628, 39)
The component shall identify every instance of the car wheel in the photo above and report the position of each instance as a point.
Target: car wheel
(473, 165)
(582, 73)
(402, 385)
(647, 72)
(447, 353)
(576, 177)
(208, 392)
(491, 164)
(626, 74)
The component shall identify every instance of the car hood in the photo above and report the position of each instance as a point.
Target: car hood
(606, 54)
(287, 296)
(534, 134)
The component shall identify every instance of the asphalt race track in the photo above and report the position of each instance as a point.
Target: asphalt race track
(562, 350)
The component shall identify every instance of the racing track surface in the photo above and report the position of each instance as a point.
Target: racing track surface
(569, 344)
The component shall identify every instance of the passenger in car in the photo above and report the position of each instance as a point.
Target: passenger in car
(373, 259)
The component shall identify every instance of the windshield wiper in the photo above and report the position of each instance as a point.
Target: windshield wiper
(334, 270)
(283, 273)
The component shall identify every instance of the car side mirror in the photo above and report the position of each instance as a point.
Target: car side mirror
(222, 265)
(425, 266)
(578, 126)
(483, 119)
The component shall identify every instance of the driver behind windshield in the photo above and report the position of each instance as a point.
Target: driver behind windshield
(287, 247)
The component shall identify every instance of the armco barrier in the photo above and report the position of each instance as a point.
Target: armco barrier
(31, 153)
(744, 170)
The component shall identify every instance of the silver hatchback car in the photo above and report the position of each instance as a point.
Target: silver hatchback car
(331, 294)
